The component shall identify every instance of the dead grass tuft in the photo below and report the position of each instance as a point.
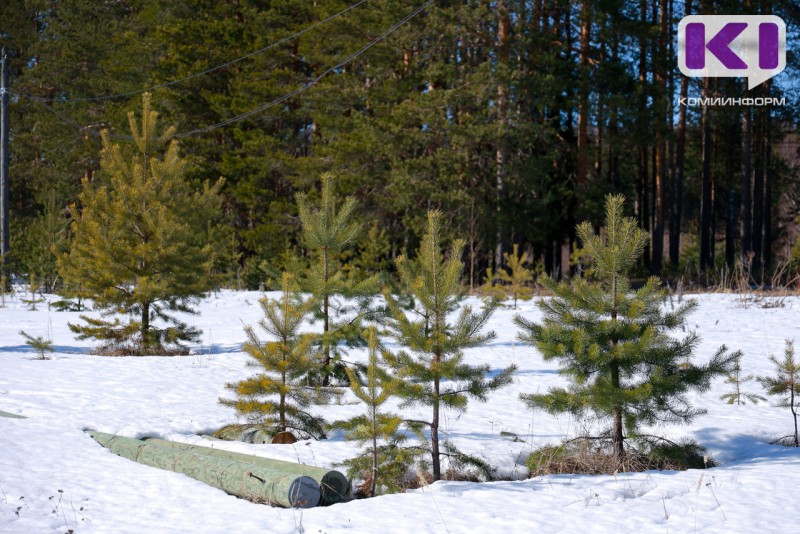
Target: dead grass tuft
(594, 456)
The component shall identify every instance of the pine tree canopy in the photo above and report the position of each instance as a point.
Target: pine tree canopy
(613, 342)
(140, 243)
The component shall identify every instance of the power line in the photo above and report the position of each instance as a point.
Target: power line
(267, 105)
(311, 83)
(198, 74)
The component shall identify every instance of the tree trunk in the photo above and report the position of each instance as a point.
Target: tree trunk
(503, 27)
(768, 178)
(676, 207)
(706, 209)
(437, 469)
(730, 215)
(326, 348)
(643, 197)
(145, 332)
(583, 99)
(660, 167)
(758, 197)
(617, 437)
(373, 481)
(746, 213)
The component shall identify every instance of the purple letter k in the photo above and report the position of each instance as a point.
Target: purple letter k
(718, 45)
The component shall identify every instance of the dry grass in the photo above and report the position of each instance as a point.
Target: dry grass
(594, 456)
(124, 350)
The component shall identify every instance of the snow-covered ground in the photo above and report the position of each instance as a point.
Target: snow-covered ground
(55, 478)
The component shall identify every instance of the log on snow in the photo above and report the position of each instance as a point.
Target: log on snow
(235, 477)
(334, 485)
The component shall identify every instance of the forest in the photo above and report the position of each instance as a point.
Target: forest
(514, 119)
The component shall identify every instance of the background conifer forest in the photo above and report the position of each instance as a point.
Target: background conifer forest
(514, 119)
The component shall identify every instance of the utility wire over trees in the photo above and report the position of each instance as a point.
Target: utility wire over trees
(140, 247)
(613, 343)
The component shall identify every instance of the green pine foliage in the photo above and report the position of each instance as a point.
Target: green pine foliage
(342, 303)
(278, 397)
(613, 343)
(140, 246)
(38, 343)
(735, 379)
(516, 276)
(33, 289)
(433, 370)
(786, 382)
(384, 461)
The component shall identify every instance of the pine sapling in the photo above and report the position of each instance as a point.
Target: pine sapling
(376, 429)
(278, 397)
(33, 287)
(612, 342)
(736, 380)
(39, 343)
(328, 229)
(140, 246)
(517, 276)
(786, 382)
(433, 370)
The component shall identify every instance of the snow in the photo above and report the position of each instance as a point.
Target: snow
(54, 477)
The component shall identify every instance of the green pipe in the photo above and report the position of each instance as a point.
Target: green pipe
(254, 482)
(334, 485)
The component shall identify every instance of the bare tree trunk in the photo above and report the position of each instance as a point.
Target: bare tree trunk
(659, 172)
(758, 195)
(503, 30)
(643, 197)
(676, 211)
(706, 209)
(145, 330)
(583, 98)
(437, 467)
(747, 220)
(768, 178)
(730, 217)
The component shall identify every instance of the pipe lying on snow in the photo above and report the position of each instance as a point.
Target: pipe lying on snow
(242, 479)
(334, 485)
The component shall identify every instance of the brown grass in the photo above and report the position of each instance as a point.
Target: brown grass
(590, 456)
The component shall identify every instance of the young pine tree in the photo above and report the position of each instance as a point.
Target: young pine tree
(140, 246)
(376, 429)
(434, 371)
(517, 276)
(328, 230)
(786, 382)
(38, 343)
(738, 396)
(279, 396)
(613, 343)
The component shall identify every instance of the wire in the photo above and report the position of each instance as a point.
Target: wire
(85, 129)
(192, 76)
(311, 83)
